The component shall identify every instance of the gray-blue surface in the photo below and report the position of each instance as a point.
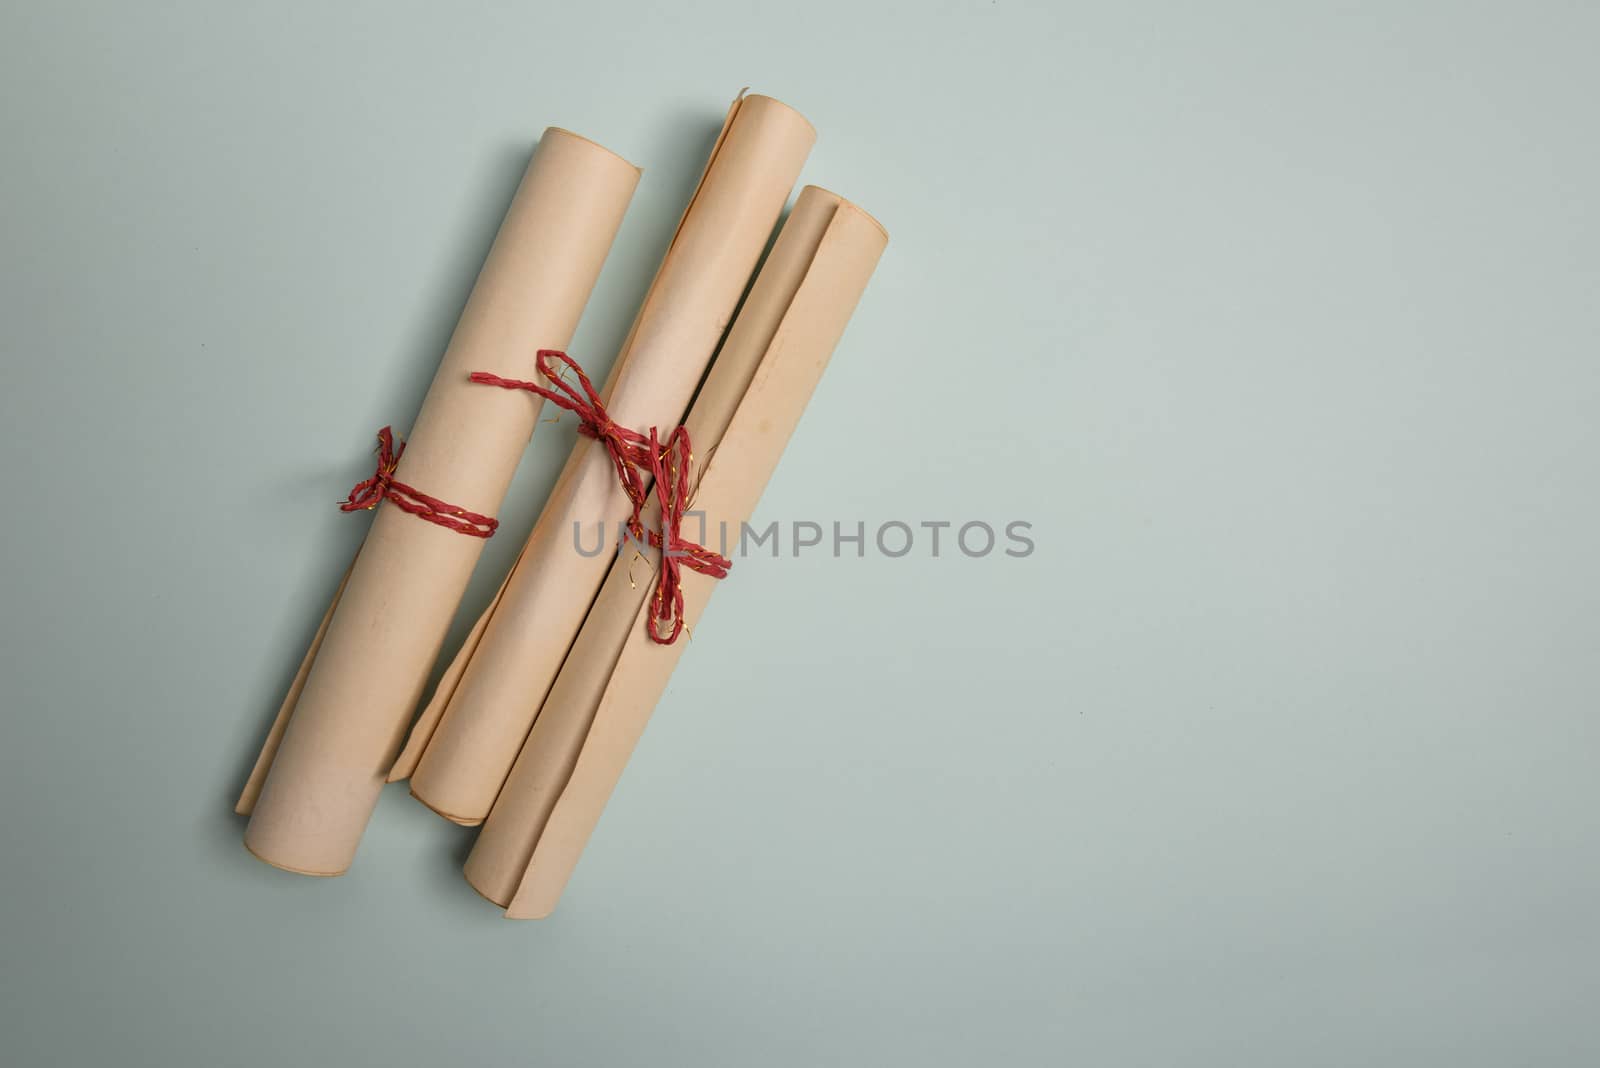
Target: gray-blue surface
(1277, 322)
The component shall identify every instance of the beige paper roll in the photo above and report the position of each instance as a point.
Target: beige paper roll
(319, 775)
(466, 739)
(615, 674)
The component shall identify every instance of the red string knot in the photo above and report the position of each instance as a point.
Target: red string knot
(636, 458)
(383, 486)
(670, 466)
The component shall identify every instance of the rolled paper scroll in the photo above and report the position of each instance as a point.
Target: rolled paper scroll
(464, 743)
(324, 763)
(615, 673)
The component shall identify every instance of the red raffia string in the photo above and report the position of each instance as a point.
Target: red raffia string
(634, 456)
(382, 486)
(670, 465)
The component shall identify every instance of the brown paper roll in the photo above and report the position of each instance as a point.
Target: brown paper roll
(319, 775)
(614, 675)
(466, 739)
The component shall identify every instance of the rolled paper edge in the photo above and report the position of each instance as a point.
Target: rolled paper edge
(291, 868)
(748, 95)
(842, 202)
(459, 821)
(422, 731)
(591, 141)
(280, 723)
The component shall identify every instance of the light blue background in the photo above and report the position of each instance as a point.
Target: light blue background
(1278, 321)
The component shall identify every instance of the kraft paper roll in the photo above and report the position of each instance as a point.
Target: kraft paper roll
(463, 745)
(615, 674)
(319, 775)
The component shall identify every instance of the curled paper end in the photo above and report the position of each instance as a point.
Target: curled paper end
(510, 907)
(526, 912)
(269, 748)
(851, 206)
(459, 821)
(564, 132)
(291, 868)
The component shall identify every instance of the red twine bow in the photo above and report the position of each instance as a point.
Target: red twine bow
(634, 456)
(382, 486)
(670, 467)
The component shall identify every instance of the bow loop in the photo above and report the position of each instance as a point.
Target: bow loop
(670, 465)
(637, 458)
(369, 492)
